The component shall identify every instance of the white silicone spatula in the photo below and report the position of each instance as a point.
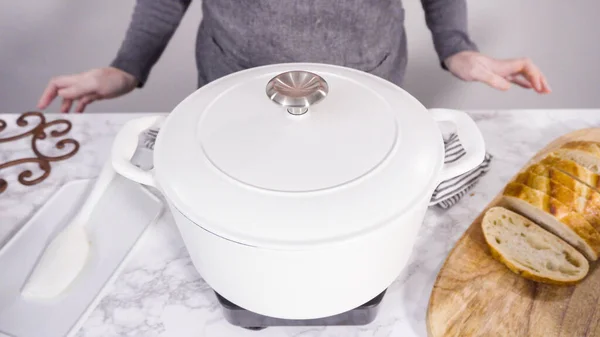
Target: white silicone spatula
(66, 255)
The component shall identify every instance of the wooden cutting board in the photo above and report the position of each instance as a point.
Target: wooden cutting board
(474, 295)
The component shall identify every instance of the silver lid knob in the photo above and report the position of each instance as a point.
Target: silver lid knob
(297, 90)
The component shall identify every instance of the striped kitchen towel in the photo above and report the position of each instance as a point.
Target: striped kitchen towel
(450, 191)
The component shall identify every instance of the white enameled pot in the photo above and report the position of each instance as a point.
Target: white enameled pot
(299, 189)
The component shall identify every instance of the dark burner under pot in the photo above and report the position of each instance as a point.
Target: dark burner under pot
(361, 315)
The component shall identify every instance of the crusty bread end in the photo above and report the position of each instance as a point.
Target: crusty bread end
(530, 251)
(586, 146)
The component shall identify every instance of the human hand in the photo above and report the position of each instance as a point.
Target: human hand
(499, 74)
(87, 87)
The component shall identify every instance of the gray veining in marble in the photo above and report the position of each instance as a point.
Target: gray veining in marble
(160, 294)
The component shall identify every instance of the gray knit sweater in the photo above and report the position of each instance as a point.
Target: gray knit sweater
(238, 34)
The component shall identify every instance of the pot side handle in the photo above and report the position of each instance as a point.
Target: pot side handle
(124, 146)
(470, 138)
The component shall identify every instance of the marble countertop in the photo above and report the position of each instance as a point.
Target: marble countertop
(159, 293)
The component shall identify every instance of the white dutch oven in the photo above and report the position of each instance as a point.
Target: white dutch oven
(299, 189)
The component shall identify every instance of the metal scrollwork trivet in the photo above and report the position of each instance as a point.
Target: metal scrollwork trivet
(37, 132)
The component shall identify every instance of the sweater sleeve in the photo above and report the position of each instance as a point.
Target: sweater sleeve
(153, 23)
(448, 23)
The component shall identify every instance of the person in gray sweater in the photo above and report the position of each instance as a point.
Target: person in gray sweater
(240, 34)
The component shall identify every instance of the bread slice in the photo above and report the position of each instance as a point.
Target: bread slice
(583, 158)
(570, 181)
(553, 216)
(574, 170)
(530, 251)
(585, 201)
(586, 146)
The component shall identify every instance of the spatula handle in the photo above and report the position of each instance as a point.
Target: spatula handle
(104, 179)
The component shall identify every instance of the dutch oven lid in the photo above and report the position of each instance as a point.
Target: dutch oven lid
(290, 155)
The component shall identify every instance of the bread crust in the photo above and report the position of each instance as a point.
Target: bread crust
(558, 210)
(577, 196)
(585, 146)
(574, 170)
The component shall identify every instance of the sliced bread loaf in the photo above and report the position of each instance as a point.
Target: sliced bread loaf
(530, 251)
(574, 179)
(574, 170)
(586, 146)
(586, 159)
(587, 205)
(554, 216)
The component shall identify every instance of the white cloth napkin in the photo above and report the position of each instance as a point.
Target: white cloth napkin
(450, 191)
